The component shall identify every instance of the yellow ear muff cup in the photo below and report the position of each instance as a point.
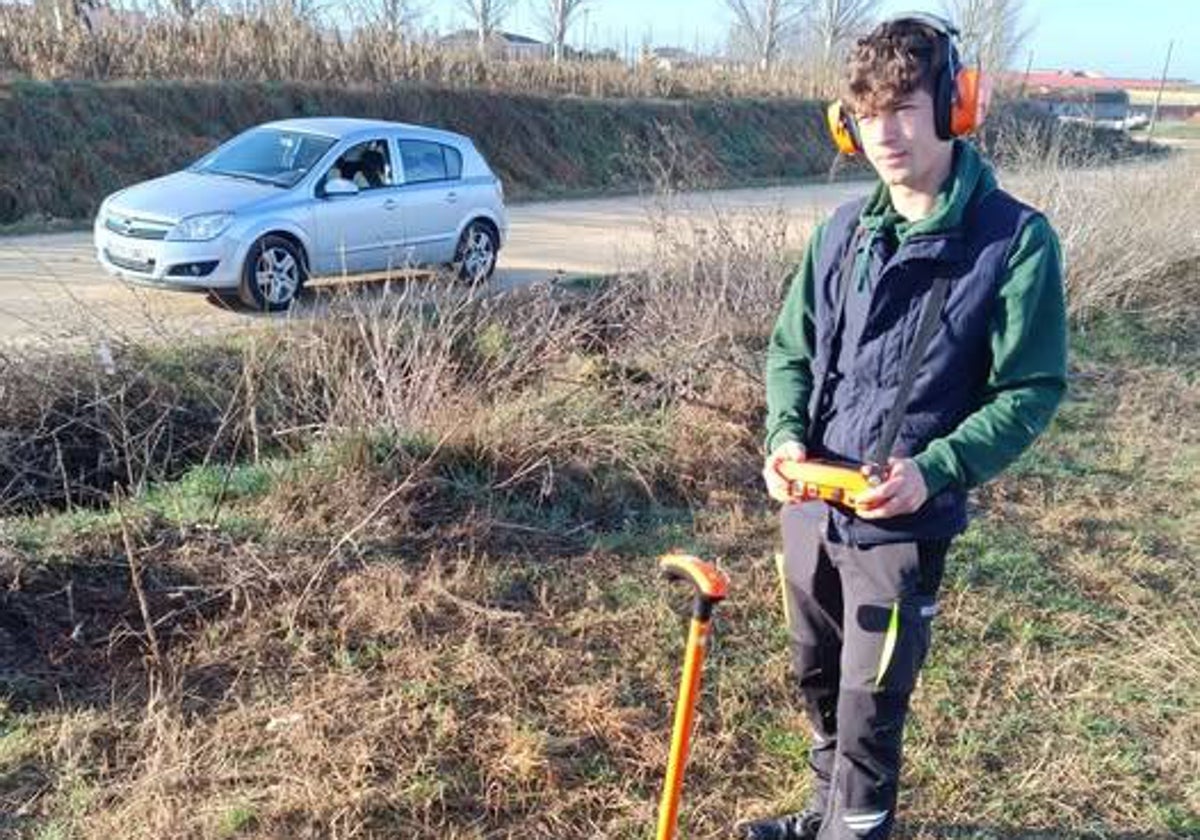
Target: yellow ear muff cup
(842, 129)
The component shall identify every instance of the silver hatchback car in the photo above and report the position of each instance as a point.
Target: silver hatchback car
(308, 197)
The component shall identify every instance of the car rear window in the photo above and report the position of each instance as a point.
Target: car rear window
(427, 161)
(453, 162)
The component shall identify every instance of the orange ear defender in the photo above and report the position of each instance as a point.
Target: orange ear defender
(972, 97)
(842, 128)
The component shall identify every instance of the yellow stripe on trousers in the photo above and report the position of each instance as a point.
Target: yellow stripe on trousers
(787, 613)
(889, 644)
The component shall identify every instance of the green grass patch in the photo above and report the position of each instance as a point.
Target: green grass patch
(1119, 338)
(1003, 561)
(18, 744)
(237, 819)
(1177, 130)
(204, 494)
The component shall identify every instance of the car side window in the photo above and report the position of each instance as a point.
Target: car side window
(426, 161)
(368, 165)
(453, 162)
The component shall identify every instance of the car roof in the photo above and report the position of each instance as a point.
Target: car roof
(343, 128)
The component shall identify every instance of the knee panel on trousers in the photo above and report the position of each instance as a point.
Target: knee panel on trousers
(887, 644)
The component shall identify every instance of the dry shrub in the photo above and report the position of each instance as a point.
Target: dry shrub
(76, 423)
(441, 683)
(1126, 245)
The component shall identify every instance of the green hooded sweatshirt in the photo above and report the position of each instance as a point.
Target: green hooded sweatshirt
(1027, 333)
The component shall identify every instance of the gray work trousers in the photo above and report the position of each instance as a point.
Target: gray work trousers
(859, 626)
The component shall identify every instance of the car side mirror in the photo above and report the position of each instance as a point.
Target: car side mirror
(340, 186)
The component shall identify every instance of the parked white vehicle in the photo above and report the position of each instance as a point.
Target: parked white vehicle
(308, 197)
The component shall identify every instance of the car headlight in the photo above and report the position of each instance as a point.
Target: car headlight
(200, 228)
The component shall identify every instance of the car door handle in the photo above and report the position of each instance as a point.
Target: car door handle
(390, 204)
(451, 197)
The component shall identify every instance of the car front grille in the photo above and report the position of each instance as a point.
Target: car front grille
(137, 228)
(143, 267)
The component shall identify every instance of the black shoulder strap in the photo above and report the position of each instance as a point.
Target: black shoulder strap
(925, 331)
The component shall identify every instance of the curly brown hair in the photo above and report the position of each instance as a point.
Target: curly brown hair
(894, 60)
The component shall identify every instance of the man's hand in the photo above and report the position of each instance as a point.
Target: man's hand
(777, 485)
(904, 491)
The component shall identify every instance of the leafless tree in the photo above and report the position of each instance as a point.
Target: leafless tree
(305, 10)
(555, 18)
(766, 24)
(396, 18)
(835, 22)
(486, 16)
(830, 25)
(69, 12)
(188, 9)
(992, 30)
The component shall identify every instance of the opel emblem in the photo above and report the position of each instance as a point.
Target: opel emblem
(127, 225)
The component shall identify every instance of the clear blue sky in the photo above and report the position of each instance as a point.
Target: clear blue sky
(1116, 37)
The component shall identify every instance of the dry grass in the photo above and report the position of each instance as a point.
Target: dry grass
(268, 44)
(428, 607)
(1126, 244)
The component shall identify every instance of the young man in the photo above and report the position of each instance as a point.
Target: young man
(860, 585)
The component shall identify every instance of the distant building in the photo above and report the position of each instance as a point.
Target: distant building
(506, 45)
(1097, 105)
(671, 58)
(1106, 100)
(1083, 80)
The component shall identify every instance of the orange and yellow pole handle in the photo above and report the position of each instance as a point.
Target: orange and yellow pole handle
(711, 586)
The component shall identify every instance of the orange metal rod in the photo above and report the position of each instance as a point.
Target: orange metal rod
(685, 707)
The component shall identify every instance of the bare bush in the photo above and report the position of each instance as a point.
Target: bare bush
(434, 360)
(384, 637)
(75, 424)
(1125, 248)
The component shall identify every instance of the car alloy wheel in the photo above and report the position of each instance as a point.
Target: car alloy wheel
(274, 274)
(477, 253)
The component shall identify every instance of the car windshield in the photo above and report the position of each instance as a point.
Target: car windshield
(269, 155)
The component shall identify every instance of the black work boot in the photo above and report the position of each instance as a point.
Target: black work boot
(802, 825)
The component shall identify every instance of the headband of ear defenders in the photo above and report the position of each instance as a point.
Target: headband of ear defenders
(937, 23)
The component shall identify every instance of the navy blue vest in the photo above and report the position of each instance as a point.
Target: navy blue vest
(847, 416)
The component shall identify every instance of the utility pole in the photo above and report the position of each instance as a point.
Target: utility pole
(1025, 78)
(1158, 96)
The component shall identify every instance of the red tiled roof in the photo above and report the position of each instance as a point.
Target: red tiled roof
(1060, 79)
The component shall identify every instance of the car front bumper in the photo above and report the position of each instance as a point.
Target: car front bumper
(189, 266)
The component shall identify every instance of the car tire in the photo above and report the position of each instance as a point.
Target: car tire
(273, 275)
(475, 256)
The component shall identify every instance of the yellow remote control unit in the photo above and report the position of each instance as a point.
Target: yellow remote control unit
(840, 484)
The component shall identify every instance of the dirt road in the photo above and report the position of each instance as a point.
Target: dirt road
(52, 288)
